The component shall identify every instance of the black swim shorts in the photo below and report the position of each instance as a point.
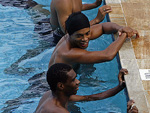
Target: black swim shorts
(57, 34)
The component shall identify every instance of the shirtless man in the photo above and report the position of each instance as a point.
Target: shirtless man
(64, 85)
(61, 9)
(71, 48)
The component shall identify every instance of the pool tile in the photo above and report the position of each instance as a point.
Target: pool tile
(146, 84)
(112, 1)
(134, 1)
(141, 47)
(143, 63)
(147, 93)
(126, 51)
(116, 9)
(140, 19)
(119, 20)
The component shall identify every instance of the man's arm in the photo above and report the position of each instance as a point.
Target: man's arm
(63, 9)
(104, 28)
(81, 56)
(91, 6)
(102, 11)
(106, 94)
(99, 96)
(109, 28)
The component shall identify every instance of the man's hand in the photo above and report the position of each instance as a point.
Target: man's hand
(131, 108)
(121, 77)
(98, 2)
(129, 31)
(102, 11)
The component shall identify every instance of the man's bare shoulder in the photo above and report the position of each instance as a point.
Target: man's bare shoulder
(50, 107)
(56, 110)
(46, 96)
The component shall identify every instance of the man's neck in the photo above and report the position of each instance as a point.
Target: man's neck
(61, 99)
(72, 45)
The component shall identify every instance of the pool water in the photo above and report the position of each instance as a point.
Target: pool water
(19, 67)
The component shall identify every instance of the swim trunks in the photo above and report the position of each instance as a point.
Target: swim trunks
(43, 27)
(57, 34)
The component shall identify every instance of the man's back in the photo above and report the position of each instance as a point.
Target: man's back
(60, 11)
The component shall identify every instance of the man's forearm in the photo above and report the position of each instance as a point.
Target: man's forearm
(113, 48)
(106, 94)
(98, 96)
(110, 27)
(94, 21)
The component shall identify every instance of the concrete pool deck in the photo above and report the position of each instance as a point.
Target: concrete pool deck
(135, 53)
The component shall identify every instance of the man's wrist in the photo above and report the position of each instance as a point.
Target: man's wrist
(96, 5)
(97, 20)
(122, 86)
(120, 28)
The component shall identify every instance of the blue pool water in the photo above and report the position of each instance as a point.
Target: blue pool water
(18, 95)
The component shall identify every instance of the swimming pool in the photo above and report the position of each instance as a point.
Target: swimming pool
(18, 86)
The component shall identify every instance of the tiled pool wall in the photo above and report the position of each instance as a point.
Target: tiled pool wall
(135, 53)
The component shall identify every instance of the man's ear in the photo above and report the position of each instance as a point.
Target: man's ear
(60, 85)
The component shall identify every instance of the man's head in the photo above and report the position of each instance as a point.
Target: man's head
(62, 77)
(76, 21)
(78, 27)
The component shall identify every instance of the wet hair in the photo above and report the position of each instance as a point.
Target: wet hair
(57, 73)
(75, 22)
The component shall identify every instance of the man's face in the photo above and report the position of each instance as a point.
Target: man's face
(81, 37)
(72, 84)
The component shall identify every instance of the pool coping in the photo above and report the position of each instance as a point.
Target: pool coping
(128, 60)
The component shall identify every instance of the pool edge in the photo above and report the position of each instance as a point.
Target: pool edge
(127, 59)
